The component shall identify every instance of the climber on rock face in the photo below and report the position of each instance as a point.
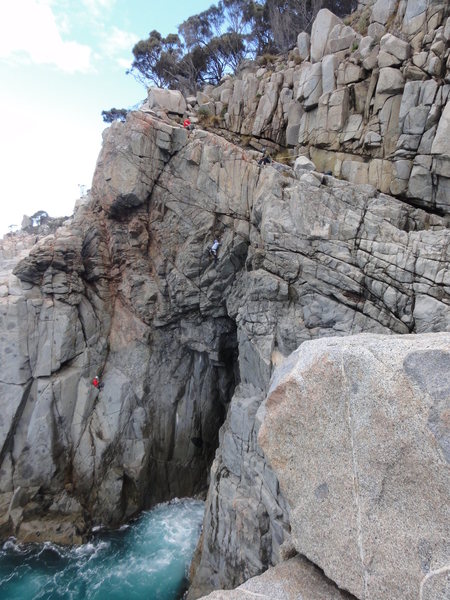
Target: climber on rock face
(265, 158)
(96, 383)
(187, 124)
(214, 249)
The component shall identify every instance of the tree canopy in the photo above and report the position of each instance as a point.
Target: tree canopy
(114, 114)
(214, 42)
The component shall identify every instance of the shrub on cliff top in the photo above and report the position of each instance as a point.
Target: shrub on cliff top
(114, 114)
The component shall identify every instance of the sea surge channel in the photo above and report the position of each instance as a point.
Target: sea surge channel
(146, 560)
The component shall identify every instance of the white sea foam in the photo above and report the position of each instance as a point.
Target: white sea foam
(11, 544)
(147, 559)
(91, 549)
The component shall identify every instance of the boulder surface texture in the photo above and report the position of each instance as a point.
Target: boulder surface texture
(357, 432)
(293, 579)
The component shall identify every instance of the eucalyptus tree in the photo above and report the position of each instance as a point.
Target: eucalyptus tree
(213, 42)
(114, 114)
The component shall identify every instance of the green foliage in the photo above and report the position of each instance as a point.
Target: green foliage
(212, 43)
(39, 217)
(199, 29)
(203, 112)
(156, 59)
(114, 114)
(261, 37)
(207, 46)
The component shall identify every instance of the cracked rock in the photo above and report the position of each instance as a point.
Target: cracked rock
(355, 429)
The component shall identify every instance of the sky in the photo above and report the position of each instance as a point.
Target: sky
(61, 63)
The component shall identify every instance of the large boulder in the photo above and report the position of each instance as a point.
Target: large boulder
(310, 86)
(302, 163)
(294, 579)
(294, 117)
(415, 16)
(304, 45)
(395, 46)
(441, 143)
(357, 432)
(170, 100)
(390, 81)
(382, 10)
(321, 29)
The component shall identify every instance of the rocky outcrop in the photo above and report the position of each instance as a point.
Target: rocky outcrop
(128, 291)
(357, 432)
(291, 580)
(81, 304)
(170, 100)
(186, 345)
(367, 101)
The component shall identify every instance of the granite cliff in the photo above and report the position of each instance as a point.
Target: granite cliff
(356, 429)
(366, 99)
(186, 348)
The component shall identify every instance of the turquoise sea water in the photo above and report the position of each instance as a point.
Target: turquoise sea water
(146, 560)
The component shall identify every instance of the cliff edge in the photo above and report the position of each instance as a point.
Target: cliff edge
(185, 344)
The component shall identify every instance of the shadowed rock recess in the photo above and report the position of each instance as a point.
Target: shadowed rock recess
(186, 348)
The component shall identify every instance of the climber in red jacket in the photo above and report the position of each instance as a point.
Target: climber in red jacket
(96, 383)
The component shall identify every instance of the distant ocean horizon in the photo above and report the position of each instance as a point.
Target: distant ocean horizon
(145, 560)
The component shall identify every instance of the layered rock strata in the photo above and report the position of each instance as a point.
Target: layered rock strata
(367, 101)
(127, 290)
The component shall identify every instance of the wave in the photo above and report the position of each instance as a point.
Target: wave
(147, 559)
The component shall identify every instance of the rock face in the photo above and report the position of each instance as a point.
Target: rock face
(128, 291)
(366, 103)
(185, 345)
(96, 299)
(357, 431)
(291, 580)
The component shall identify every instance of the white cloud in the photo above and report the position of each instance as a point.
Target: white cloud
(97, 7)
(115, 41)
(28, 31)
(43, 159)
(125, 63)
